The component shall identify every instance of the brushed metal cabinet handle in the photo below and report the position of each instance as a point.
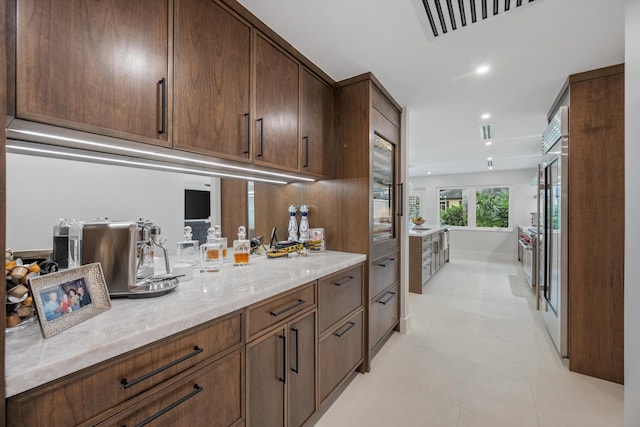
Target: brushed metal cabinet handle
(126, 384)
(197, 389)
(291, 307)
(347, 329)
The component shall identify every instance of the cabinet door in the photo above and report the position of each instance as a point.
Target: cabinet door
(315, 124)
(302, 375)
(383, 315)
(94, 65)
(266, 377)
(211, 397)
(211, 80)
(340, 353)
(277, 95)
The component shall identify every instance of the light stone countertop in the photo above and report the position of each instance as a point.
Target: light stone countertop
(31, 360)
(433, 228)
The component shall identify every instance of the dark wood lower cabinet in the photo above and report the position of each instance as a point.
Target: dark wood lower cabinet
(98, 392)
(281, 375)
(266, 371)
(340, 353)
(383, 315)
(210, 397)
(302, 370)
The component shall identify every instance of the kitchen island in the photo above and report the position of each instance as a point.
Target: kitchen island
(234, 295)
(428, 252)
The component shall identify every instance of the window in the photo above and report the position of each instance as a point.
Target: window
(492, 207)
(454, 207)
(414, 206)
(480, 207)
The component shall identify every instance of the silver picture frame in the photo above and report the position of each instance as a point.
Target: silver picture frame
(69, 297)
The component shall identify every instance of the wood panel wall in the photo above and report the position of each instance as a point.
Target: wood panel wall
(234, 208)
(596, 223)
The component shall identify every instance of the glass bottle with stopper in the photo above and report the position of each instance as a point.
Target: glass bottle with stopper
(187, 250)
(223, 240)
(293, 225)
(211, 253)
(304, 224)
(241, 248)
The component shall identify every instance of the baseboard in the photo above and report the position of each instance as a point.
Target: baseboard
(482, 256)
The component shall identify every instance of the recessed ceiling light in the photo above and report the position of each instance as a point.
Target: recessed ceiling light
(429, 173)
(483, 69)
(485, 116)
(488, 143)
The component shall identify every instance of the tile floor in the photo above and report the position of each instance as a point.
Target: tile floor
(477, 355)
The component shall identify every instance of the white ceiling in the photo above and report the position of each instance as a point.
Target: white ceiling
(531, 51)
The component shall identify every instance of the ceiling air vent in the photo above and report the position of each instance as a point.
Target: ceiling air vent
(440, 17)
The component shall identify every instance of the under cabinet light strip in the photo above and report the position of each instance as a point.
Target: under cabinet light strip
(17, 148)
(161, 155)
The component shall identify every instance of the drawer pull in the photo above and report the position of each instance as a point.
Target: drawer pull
(284, 359)
(197, 389)
(196, 350)
(385, 302)
(388, 262)
(297, 368)
(347, 329)
(344, 281)
(291, 307)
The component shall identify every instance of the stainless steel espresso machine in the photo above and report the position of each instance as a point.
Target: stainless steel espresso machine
(126, 251)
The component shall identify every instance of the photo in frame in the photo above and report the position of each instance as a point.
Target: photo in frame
(69, 297)
(317, 235)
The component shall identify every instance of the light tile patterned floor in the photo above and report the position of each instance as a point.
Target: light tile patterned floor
(477, 355)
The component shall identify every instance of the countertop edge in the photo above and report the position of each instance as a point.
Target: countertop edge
(423, 233)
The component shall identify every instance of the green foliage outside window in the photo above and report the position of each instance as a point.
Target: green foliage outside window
(492, 207)
(454, 216)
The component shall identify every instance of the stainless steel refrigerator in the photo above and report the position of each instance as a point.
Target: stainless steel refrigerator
(553, 229)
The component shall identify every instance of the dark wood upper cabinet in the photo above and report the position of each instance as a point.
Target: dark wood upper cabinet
(212, 52)
(98, 66)
(315, 124)
(277, 82)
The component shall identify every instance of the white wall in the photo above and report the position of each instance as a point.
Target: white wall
(41, 190)
(632, 213)
(483, 244)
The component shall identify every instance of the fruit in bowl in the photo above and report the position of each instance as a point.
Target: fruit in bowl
(417, 220)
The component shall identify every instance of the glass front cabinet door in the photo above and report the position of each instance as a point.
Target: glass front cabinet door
(384, 227)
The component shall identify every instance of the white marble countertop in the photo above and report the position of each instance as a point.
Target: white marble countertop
(31, 360)
(421, 231)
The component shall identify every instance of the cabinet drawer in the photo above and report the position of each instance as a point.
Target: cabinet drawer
(340, 353)
(113, 382)
(339, 295)
(210, 397)
(279, 308)
(385, 271)
(383, 315)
